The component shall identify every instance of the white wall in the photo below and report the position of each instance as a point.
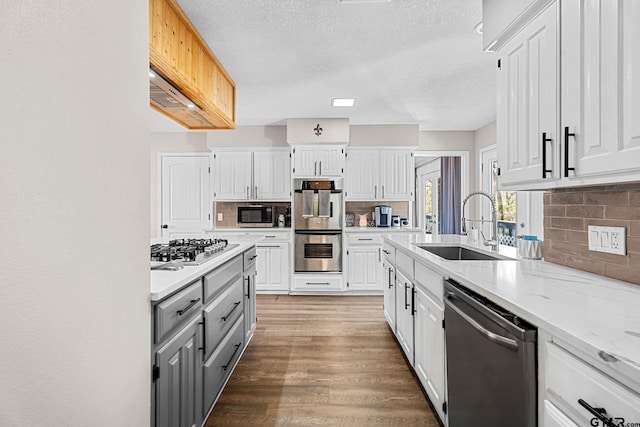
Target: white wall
(383, 135)
(74, 213)
(249, 136)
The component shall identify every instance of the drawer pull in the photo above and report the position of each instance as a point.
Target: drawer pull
(191, 304)
(251, 258)
(599, 413)
(362, 240)
(226, 365)
(318, 283)
(226, 316)
(386, 252)
(607, 357)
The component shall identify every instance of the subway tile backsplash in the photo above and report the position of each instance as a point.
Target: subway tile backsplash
(569, 212)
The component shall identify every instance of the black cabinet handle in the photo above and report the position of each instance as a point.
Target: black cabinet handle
(413, 302)
(165, 226)
(406, 304)
(566, 152)
(226, 316)
(390, 282)
(188, 306)
(599, 413)
(226, 365)
(386, 252)
(545, 171)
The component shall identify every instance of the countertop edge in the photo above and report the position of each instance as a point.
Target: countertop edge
(186, 277)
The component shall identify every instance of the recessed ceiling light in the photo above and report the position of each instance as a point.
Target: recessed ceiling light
(191, 106)
(478, 28)
(342, 102)
(151, 75)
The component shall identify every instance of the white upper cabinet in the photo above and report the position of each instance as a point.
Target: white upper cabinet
(232, 175)
(573, 123)
(527, 108)
(247, 175)
(361, 177)
(600, 88)
(272, 175)
(317, 161)
(379, 174)
(396, 174)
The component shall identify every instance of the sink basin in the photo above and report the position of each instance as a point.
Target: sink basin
(459, 253)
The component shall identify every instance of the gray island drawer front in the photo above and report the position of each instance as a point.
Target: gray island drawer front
(217, 281)
(249, 258)
(219, 366)
(222, 314)
(176, 310)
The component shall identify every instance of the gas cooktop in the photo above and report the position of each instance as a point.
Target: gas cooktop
(180, 252)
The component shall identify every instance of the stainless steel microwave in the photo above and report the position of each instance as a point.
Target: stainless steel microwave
(256, 216)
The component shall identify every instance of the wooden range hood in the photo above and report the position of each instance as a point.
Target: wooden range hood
(179, 54)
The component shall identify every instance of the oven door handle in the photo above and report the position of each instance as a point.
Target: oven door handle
(320, 232)
(495, 338)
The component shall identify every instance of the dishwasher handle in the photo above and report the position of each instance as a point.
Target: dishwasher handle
(495, 338)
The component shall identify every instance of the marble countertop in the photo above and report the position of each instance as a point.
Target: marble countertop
(382, 230)
(166, 282)
(597, 311)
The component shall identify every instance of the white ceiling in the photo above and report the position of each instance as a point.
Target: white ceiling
(406, 61)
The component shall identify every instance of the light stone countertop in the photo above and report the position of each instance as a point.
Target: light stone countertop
(382, 230)
(166, 282)
(599, 312)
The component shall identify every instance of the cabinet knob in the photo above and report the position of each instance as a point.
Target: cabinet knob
(165, 226)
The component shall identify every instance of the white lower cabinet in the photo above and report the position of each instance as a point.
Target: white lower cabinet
(414, 309)
(429, 347)
(272, 267)
(577, 392)
(554, 417)
(363, 268)
(404, 314)
(389, 286)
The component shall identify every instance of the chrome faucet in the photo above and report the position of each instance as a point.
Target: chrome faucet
(493, 242)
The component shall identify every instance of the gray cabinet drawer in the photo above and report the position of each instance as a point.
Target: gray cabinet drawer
(219, 366)
(217, 281)
(249, 258)
(222, 313)
(176, 310)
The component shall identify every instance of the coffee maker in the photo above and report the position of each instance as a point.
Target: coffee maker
(383, 215)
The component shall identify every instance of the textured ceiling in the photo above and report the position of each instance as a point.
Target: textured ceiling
(411, 61)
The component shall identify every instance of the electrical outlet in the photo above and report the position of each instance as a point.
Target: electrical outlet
(612, 240)
(220, 216)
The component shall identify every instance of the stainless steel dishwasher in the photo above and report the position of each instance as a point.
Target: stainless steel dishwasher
(491, 362)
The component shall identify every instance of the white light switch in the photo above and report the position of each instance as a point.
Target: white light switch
(611, 240)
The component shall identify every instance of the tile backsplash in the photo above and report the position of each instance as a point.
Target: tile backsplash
(362, 208)
(569, 212)
(230, 214)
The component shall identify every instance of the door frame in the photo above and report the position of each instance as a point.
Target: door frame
(160, 156)
(464, 166)
(433, 168)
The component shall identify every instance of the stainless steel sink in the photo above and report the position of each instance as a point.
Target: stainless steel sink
(459, 253)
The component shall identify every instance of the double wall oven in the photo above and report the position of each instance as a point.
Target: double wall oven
(318, 226)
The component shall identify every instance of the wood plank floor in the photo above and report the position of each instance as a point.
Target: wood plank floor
(320, 360)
